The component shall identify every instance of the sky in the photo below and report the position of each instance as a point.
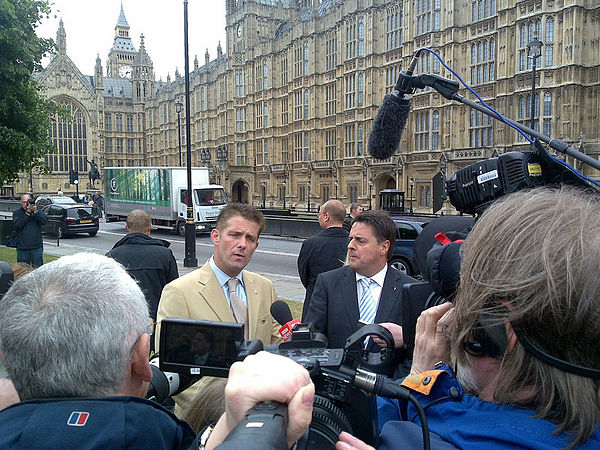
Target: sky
(90, 29)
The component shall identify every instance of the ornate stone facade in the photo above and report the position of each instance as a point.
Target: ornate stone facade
(284, 116)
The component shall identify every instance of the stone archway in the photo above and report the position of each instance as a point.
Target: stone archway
(239, 191)
(383, 181)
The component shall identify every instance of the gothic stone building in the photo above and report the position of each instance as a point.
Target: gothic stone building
(283, 117)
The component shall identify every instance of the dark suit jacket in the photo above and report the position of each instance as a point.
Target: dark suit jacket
(321, 253)
(333, 308)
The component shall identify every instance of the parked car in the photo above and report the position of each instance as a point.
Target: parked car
(70, 218)
(45, 200)
(408, 230)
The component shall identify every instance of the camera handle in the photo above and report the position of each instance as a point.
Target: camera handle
(264, 426)
(355, 349)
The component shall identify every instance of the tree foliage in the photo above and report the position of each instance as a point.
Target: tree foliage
(25, 116)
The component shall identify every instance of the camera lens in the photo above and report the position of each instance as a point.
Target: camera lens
(327, 423)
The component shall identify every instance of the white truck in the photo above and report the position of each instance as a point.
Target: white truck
(162, 192)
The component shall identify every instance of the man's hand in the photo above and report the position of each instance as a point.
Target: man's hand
(266, 377)
(349, 442)
(431, 345)
(396, 331)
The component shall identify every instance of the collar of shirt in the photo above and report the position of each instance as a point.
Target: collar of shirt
(378, 278)
(223, 278)
(376, 288)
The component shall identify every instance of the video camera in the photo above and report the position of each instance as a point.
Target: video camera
(343, 400)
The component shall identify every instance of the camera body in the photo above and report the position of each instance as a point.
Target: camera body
(339, 405)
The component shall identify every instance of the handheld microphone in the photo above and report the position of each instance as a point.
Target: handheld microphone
(282, 314)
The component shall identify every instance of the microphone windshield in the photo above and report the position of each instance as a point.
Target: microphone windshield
(281, 312)
(388, 126)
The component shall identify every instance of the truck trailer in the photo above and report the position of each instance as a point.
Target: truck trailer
(162, 193)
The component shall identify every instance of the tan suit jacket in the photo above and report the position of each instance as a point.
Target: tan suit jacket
(198, 295)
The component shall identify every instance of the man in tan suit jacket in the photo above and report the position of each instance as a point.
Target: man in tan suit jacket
(204, 294)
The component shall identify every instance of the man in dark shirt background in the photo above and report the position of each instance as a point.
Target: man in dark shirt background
(355, 210)
(28, 222)
(324, 251)
(149, 261)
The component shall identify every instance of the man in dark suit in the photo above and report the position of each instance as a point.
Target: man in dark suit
(355, 210)
(149, 261)
(324, 251)
(366, 291)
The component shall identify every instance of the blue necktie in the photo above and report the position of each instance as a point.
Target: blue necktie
(366, 304)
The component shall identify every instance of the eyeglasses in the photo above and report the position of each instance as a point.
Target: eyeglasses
(480, 344)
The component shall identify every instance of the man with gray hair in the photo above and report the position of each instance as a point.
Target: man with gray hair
(87, 347)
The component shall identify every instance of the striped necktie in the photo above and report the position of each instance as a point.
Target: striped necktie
(366, 305)
(237, 305)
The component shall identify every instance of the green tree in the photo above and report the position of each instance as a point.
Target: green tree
(25, 116)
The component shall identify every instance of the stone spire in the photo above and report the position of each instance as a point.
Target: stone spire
(207, 59)
(61, 38)
(219, 52)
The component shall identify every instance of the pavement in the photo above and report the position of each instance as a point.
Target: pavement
(287, 287)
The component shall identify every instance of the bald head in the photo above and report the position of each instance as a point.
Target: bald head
(139, 221)
(332, 214)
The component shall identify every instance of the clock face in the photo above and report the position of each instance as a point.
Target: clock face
(125, 71)
(239, 31)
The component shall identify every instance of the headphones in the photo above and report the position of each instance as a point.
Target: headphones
(491, 340)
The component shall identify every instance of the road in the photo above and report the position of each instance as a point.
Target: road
(275, 257)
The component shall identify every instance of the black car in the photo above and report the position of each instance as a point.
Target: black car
(408, 230)
(45, 200)
(65, 219)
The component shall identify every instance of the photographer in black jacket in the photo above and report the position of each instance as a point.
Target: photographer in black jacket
(28, 222)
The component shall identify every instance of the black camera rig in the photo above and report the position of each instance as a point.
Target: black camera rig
(343, 391)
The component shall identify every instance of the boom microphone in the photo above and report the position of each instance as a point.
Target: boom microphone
(282, 314)
(388, 125)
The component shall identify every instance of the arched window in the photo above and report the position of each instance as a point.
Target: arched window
(435, 127)
(306, 103)
(361, 37)
(306, 58)
(69, 138)
(521, 107)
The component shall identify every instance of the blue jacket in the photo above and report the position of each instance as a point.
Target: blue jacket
(469, 422)
(29, 228)
(110, 422)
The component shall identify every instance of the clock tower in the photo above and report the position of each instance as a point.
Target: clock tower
(122, 53)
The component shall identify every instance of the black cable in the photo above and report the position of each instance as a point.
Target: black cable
(435, 402)
(424, 425)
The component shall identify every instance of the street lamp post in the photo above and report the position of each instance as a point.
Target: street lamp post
(412, 183)
(336, 188)
(284, 186)
(264, 193)
(534, 48)
(178, 109)
(190, 259)
(308, 206)
(370, 192)
(205, 157)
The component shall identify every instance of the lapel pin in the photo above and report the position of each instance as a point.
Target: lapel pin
(395, 288)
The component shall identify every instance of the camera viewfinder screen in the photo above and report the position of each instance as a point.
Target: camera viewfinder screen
(194, 343)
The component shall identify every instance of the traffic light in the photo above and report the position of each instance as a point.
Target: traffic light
(73, 177)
